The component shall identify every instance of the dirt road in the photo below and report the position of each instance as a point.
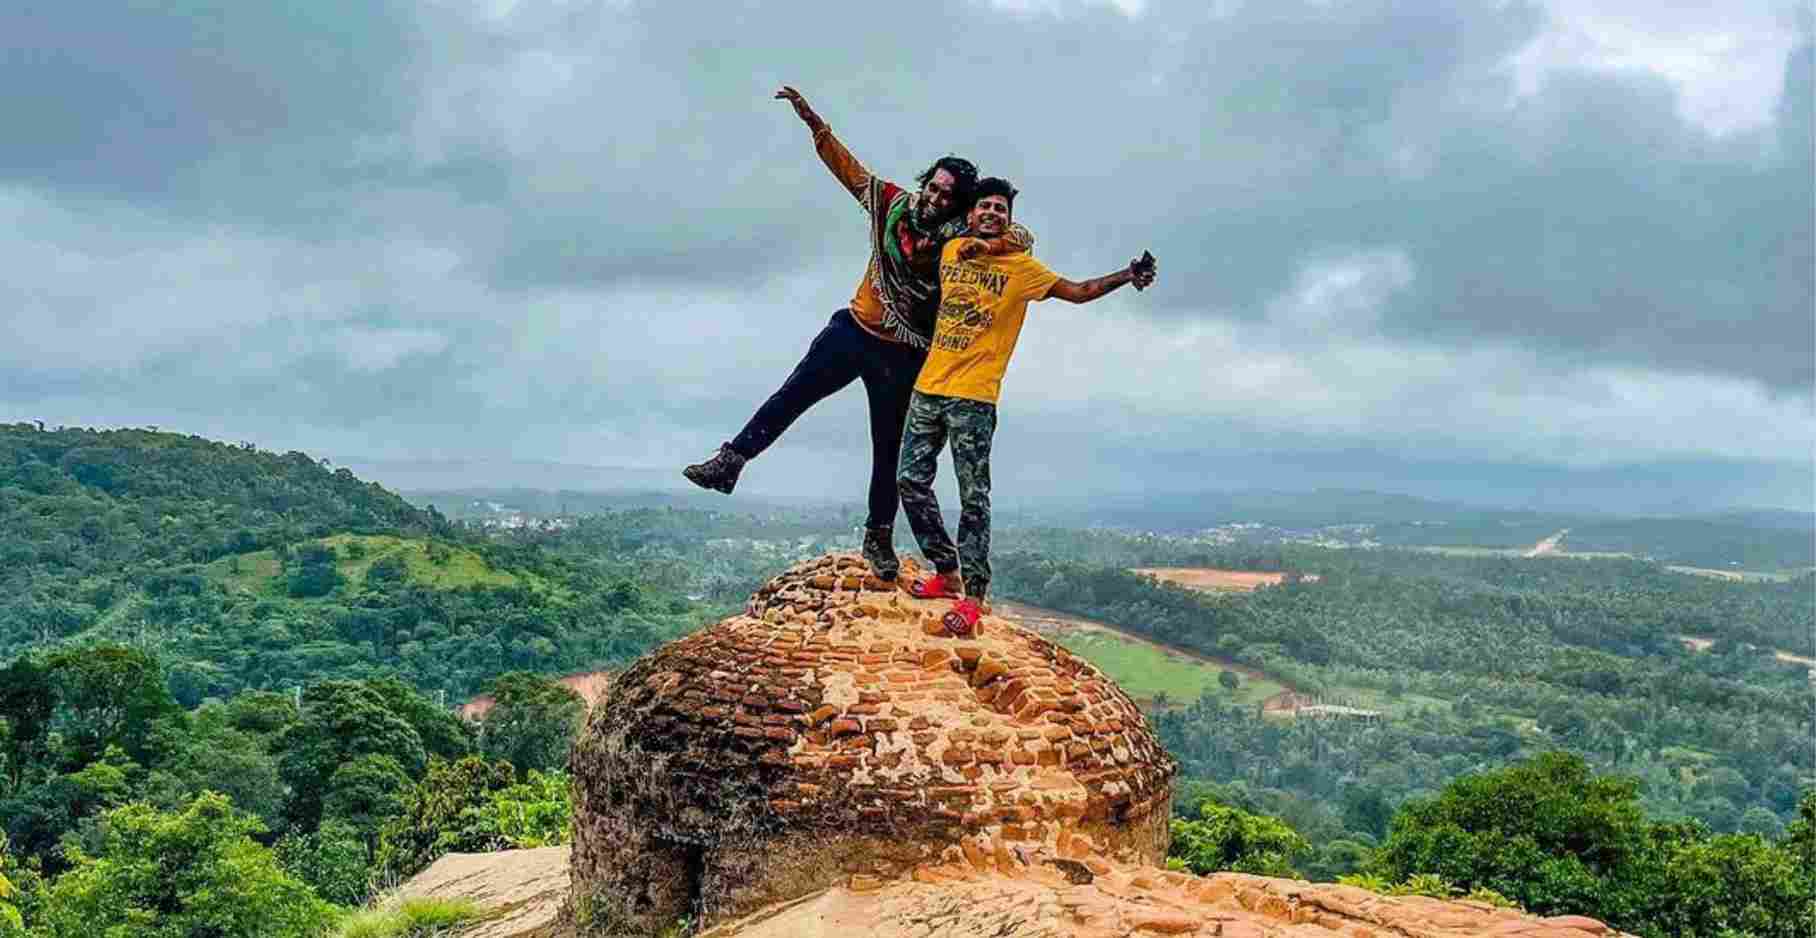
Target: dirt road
(590, 685)
(1549, 545)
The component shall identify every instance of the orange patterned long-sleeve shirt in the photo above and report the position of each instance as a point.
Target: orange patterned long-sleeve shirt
(866, 303)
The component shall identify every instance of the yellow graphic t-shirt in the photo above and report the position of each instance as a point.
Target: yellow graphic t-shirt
(983, 302)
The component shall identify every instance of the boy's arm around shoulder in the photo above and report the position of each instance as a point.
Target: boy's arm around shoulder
(1017, 240)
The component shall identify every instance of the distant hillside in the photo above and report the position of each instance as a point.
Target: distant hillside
(248, 569)
(1731, 542)
(1804, 521)
(493, 505)
(126, 484)
(1196, 510)
(1763, 540)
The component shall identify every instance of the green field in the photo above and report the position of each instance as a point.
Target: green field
(1145, 671)
(430, 564)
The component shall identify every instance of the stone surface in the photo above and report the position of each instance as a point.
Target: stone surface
(826, 734)
(1134, 901)
(832, 763)
(521, 891)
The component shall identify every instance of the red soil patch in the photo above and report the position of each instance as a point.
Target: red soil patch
(1295, 703)
(590, 685)
(1211, 579)
(1284, 702)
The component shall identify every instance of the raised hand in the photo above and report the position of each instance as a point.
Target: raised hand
(802, 108)
(1142, 270)
(969, 248)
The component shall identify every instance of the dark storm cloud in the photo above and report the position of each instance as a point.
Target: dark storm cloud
(196, 102)
(571, 227)
(1588, 218)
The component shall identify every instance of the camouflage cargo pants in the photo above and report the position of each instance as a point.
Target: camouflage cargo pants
(970, 425)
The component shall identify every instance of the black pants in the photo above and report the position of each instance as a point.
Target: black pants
(842, 353)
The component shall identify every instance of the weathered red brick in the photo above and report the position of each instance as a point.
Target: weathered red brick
(988, 669)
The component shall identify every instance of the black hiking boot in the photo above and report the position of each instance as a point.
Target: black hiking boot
(879, 552)
(720, 473)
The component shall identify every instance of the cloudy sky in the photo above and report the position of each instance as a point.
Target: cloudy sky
(1528, 253)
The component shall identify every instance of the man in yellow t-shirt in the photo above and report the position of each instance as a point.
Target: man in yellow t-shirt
(983, 300)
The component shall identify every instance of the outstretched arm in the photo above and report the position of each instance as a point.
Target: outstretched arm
(1140, 272)
(844, 166)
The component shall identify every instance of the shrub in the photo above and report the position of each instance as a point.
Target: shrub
(197, 872)
(410, 918)
(1226, 838)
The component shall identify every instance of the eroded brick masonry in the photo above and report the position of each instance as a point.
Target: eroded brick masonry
(834, 734)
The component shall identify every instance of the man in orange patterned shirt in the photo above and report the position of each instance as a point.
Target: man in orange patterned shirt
(882, 336)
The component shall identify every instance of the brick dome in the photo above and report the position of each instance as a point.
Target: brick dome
(833, 730)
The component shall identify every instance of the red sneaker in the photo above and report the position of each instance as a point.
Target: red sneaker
(961, 622)
(937, 586)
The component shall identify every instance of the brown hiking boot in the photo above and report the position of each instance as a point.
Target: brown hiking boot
(879, 552)
(720, 473)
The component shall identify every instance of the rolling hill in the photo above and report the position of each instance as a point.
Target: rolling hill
(249, 569)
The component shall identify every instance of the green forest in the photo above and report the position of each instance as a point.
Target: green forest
(1477, 660)
(241, 668)
(246, 569)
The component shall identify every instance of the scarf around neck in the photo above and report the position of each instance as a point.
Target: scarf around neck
(905, 258)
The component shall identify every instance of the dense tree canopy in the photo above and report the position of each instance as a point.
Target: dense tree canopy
(1559, 839)
(532, 722)
(251, 570)
(1544, 732)
(197, 872)
(1222, 837)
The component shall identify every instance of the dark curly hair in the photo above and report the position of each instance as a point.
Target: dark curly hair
(995, 185)
(964, 175)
